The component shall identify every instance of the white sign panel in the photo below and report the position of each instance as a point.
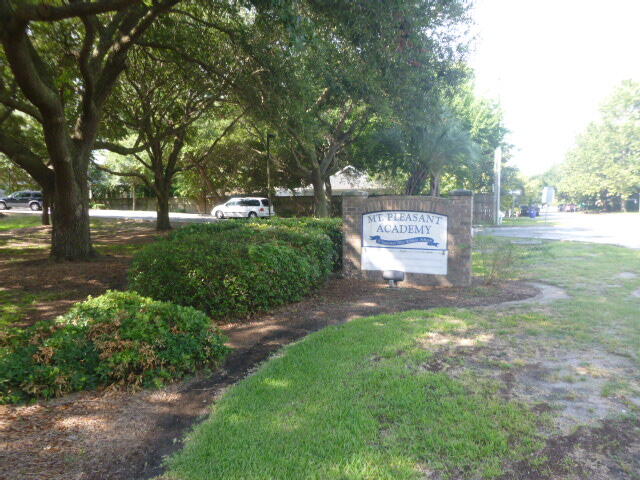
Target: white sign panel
(409, 241)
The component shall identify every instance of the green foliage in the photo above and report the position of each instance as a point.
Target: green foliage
(501, 259)
(13, 178)
(447, 144)
(606, 159)
(234, 268)
(118, 338)
(358, 60)
(332, 227)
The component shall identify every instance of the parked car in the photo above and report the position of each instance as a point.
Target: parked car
(244, 207)
(569, 207)
(525, 210)
(25, 199)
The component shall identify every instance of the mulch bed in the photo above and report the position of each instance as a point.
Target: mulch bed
(122, 435)
(64, 283)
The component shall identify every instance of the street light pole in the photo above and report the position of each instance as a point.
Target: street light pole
(497, 170)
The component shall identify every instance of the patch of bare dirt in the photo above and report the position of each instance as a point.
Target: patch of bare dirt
(121, 435)
(610, 451)
(627, 275)
(581, 387)
(592, 397)
(547, 294)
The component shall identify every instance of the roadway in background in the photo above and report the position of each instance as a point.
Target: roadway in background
(131, 215)
(610, 228)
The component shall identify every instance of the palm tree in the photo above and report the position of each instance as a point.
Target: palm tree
(435, 144)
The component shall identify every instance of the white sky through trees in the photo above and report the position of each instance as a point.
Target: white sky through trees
(551, 63)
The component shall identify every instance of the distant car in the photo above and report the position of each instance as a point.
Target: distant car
(525, 210)
(244, 207)
(23, 199)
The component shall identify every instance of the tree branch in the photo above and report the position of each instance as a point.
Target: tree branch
(117, 53)
(117, 148)
(139, 158)
(122, 174)
(20, 154)
(14, 104)
(46, 12)
(227, 129)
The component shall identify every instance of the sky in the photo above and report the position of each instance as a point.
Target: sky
(551, 63)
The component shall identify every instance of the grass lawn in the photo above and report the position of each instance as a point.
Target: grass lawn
(437, 394)
(525, 222)
(358, 401)
(9, 221)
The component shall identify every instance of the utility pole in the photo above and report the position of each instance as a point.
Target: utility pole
(497, 171)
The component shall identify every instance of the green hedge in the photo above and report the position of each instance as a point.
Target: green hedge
(332, 227)
(233, 268)
(117, 338)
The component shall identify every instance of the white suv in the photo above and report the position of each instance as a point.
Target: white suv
(244, 207)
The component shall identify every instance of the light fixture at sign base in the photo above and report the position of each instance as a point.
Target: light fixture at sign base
(393, 277)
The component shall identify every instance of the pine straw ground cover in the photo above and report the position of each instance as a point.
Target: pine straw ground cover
(33, 288)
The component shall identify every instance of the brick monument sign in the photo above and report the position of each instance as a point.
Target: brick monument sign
(428, 238)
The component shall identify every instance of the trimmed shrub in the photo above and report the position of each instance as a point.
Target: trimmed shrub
(230, 271)
(211, 228)
(332, 227)
(118, 338)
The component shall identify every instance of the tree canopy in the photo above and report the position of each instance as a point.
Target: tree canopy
(187, 94)
(605, 162)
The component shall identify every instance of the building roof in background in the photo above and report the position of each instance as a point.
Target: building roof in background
(347, 181)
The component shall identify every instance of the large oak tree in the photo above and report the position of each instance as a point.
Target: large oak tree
(63, 60)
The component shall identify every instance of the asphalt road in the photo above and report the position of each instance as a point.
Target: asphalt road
(610, 228)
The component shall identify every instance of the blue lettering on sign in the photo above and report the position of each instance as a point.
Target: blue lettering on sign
(428, 240)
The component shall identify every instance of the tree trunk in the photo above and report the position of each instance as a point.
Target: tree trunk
(70, 236)
(435, 185)
(416, 181)
(329, 195)
(162, 210)
(133, 197)
(204, 201)
(46, 203)
(320, 203)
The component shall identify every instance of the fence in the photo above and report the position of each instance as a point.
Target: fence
(483, 209)
(284, 206)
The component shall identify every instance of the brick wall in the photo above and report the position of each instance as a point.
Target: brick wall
(459, 209)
